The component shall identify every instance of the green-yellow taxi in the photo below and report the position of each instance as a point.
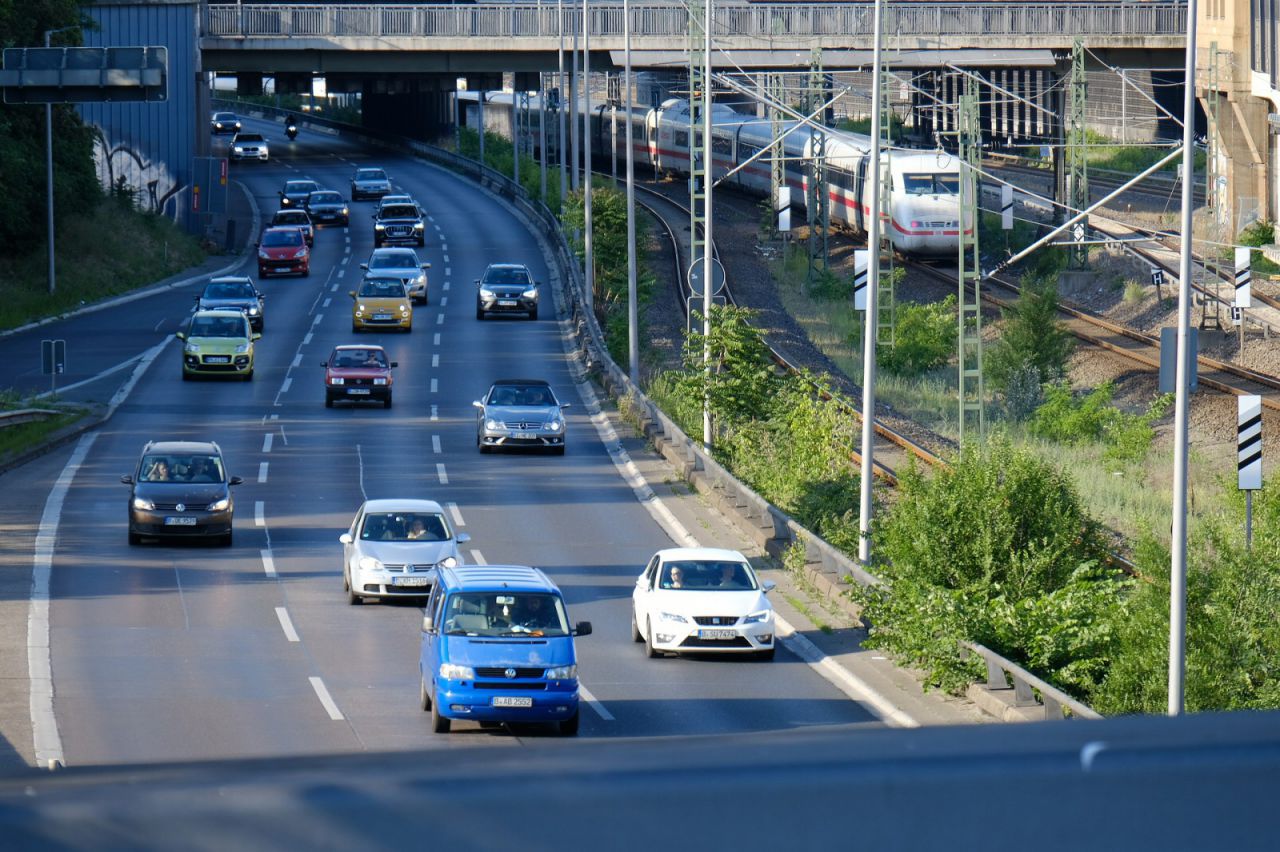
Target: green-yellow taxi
(381, 303)
(218, 343)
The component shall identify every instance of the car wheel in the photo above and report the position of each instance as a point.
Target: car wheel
(650, 651)
(484, 448)
(248, 377)
(422, 242)
(134, 539)
(355, 329)
(227, 539)
(186, 377)
(439, 724)
(636, 635)
(479, 312)
(765, 656)
(424, 697)
(533, 314)
(306, 273)
(328, 401)
(352, 598)
(558, 451)
(386, 403)
(569, 727)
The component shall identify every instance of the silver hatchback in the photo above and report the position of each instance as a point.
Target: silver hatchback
(520, 413)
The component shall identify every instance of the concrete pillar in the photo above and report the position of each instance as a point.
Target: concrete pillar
(248, 83)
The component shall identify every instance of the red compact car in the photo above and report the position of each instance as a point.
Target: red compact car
(283, 250)
(358, 372)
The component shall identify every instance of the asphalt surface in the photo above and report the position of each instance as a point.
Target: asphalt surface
(181, 652)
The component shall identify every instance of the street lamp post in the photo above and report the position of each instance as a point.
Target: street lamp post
(633, 310)
(48, 164)
(586, 151)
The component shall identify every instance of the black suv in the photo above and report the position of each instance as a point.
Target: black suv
(296, 192)
(399, 224)
(180, 489)
(236, 292)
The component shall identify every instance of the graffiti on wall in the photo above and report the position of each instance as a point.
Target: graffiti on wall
(121, 168)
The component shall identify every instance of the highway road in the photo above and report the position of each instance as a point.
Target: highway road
(184, 652)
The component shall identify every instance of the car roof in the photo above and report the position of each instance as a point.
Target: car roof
(182, 447)
(703, 554)
(383, 251)
(270, 228)
(301, 180)
(360, 346)
(326, 191)
(230, 279)
(360, 169)
(496, 578)
(400, 504)
(507, 266)
(220, 313)
(522, 382)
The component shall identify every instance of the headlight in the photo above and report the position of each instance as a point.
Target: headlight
(553, 425)
(404, 308)
(671, 616)
(344, 211)
(242, 348)
(144, 504)
(263, 254)
(337, 380)
(239, 149)
(758, 617)
(378, 226)
(220, 505)
(449, 562)
(253, 311)
(417, 226)
(492, 424)
(302, 252)
(486, 293)
(375, 381)
(421, 279)
(531, 293)
(191, 349)
(368, 563)
(562, 673)
(359, 308)
(449, 671)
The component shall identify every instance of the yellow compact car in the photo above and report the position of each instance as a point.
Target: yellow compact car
(218, 342)
(381, 303)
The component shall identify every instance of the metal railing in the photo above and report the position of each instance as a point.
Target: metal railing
(737, 20)
(26, 415)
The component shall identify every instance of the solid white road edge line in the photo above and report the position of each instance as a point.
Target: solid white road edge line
(286, 624)
(326, 699)
(44, 725)
(595, 704)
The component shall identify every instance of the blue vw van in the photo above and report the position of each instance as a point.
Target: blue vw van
(497, 647)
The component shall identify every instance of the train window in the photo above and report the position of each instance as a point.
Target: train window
(722, 146)
(931, 184)
(682, 138)
(746, 152)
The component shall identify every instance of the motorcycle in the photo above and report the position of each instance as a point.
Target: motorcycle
(291, 130)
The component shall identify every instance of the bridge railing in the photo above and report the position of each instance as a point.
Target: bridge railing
(739, 20)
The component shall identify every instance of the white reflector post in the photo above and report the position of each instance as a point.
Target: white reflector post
(1244, 278)
(1249, 443)
(861, 264)
(782, 204)
(1006, 207)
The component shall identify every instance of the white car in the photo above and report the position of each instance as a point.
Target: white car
(249, 146)
(702, 600)
(394, 547)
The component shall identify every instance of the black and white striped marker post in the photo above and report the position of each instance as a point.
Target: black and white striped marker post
(861, 270)
(1244, 279)
(1006, 207)
(1249, 456)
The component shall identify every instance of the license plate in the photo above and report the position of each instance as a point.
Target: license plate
(410, 581)
(218, 359)
(506, 303)
(180, 522)
(525, 436)
(358, 391)
(512, 701)
(717, 634)
(382, 316)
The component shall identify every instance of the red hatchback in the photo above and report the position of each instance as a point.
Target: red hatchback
(357, 372)
(283, 250)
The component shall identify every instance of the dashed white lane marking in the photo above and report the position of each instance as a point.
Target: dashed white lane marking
(317, 320)
(334, 288)
(341, 271)
(444, 477)
(447, 271)
(286, 624)
(326, 302)
(268, 563)
(444, 300)
(457, 515)
(477, 557)
(434, 385)
(435, 415)
(440, 319)
(435, 341)
(266, 442)
(307, 339)
(435, 444)
(288, 381)
(262, 472)
(435, 360)
(297, 361)
(326, 699)
(444, 247)
(157, 325)
(44, 725)
(595, 704)
(347, 237)
(446, 258)
(259, 514)
(347, 249)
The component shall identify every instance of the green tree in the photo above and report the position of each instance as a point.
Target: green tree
(1031, 336)
(925, 338)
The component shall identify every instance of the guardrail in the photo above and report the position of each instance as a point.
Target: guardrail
(738, 20)
(769, 526)
(26, 415)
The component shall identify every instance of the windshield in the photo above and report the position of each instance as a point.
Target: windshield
(404, 526)
(224, 116)
(371, 174)
(291, 217)
(325, 198)
(300, 187)
(228, 291)
(504, 614)
(368, 358)
(385, 288)
(288, 237)
(931, 184)
(522, 395)
(389, 260)
(399, 211)
(708, 576)
(506, 275)
(217, 327)
(249, 137)
(181, 467)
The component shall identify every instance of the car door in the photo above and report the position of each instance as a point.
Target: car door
(643, 591)
(429, 659)
(350, 552)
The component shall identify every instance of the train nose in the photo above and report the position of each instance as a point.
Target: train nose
(930, 226)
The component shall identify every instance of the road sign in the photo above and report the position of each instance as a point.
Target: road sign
(1249, 442)
(1244, 277)
(1157, 276)
(52, 75)
(695, 277)
(1237, 315)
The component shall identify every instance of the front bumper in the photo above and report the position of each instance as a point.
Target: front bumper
(369, 192)
(329, 217)
(283, 267)
(507, 304)
(675, 637)
(521, 440)
(386, 584)
(152, 522)
(358, 393)
(552, 701)
(201, 365)
(259, 155)
(393, 321)
(397, 238)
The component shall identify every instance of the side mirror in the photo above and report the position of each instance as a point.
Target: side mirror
(181, 335)
(477, 281)
(324, 363)
(583, 629)
(197, 298)
(428, 624)
(262, 297)
(345, 538)
(351, 293)
(257, 335)
(426, 265)
(127, 479)
(642, 579)
(768, 586)
(565, 405)
(462, 538)
(395, 363)
(235, 480)
(477, 403)
(280, 193)
(364, 266)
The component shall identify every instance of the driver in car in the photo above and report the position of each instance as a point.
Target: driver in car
(533, 615)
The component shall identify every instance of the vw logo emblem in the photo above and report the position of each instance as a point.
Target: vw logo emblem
(510, 673)
(181, 507)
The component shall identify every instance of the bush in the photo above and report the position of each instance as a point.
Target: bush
(1023, 392)
(925, 337)
(1031, 336)
(1068, 419)
(1260, 233)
